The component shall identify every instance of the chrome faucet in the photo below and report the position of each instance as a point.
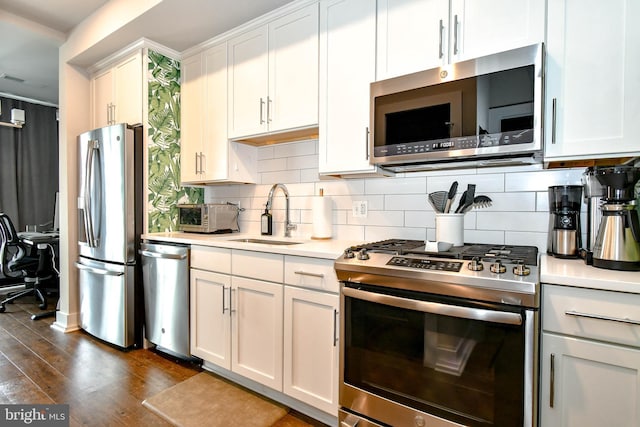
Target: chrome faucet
(288, 226)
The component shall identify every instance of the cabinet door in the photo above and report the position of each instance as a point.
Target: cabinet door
(482, 27)
(215, 147)
(128, 90)
(311, 347)
(256, 331)
(293, 70)
(192, 104)
(248, 83)
(347, 67)
(590, 384)
(102, 98)
(593, 58)
(412, 36)
(210, 317)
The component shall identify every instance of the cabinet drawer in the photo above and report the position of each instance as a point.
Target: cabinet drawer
(212, 259)
(315, 273)
(601, 315)
(257, 265)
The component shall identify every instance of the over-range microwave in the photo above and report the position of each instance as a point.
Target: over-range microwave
(480, 112)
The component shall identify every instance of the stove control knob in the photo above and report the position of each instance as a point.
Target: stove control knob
(497, 267)
(521, 269)
(475, 264)
(348, 253)
(363, 255)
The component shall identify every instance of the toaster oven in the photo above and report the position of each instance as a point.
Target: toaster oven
(208, 218)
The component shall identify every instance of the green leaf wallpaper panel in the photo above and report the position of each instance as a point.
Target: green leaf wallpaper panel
(164, 190)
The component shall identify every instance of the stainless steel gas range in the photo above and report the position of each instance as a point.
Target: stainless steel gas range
(438, 339)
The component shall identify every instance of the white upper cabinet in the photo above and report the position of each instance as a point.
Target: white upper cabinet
(273, 76)
(116, 92)
(593, 58)
(347, 67)
(415, 35)
(206, 154)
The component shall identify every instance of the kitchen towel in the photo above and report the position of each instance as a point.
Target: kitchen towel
(322, 213)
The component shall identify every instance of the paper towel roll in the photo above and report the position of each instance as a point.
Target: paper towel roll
(322, 225)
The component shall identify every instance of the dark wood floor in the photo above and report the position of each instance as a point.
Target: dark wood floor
(103, 386)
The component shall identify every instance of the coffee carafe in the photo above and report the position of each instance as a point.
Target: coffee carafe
(617, 246)
(564, 239)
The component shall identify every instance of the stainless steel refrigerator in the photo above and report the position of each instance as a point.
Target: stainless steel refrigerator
(109, 227)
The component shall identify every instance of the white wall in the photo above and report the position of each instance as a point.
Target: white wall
(398, 206)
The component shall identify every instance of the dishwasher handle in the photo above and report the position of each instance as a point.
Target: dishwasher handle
(162, 255)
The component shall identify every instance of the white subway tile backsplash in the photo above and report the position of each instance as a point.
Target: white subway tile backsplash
(398, 206)
(513, 221)
(294, 149)
(406, 202)
(484, 183)
(396, 186)
(542, 180)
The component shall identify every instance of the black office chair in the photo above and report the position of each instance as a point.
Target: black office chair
(17, 262)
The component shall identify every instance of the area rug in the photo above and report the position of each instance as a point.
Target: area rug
(205, 400)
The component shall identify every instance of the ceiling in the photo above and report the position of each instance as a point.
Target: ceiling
(31, 31)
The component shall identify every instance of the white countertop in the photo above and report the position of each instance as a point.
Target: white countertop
(574, 272)
(328, 249)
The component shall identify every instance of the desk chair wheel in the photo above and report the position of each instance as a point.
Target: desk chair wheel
(2, 308)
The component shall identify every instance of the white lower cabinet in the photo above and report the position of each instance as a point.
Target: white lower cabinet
(270, 318)
(210, 319)
(256, 330)
(590, 359)
(311, 347)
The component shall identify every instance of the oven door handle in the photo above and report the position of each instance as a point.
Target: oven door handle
(436, 308)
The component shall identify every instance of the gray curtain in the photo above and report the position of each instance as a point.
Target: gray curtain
(29, 164)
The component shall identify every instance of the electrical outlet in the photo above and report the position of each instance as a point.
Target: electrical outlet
(360, 209)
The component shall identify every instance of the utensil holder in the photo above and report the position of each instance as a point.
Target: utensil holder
(450, 228)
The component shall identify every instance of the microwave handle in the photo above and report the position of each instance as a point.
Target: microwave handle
(436, 308)
(366, 140)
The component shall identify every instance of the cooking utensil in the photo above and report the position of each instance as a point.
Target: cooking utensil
(438, 200)
(481, 201)
(450, 196)
(467, 201)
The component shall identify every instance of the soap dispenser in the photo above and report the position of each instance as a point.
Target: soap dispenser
(266, 222)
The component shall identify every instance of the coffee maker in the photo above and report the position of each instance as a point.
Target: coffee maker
(564, 239)
(617, 246)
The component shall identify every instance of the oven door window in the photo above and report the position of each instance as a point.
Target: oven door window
(469, 371)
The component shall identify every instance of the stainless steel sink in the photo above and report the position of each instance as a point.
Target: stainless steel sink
(266, 241)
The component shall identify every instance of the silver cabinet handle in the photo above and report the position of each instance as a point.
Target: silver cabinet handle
(269, 101)
(552, 375)
(455, 34)
(553, 120)
(201, 162)
(441, 41)
(196, 156)
(366, 140)
(306, 273)
(231, 309)
(599, 317)
(113, 114)
(437, 308)
(98, 270)
(151, 254)
(223, 307)
(335, 327)
(261, 108)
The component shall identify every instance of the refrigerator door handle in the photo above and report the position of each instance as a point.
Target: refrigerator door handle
(99, 270)
(92, 242)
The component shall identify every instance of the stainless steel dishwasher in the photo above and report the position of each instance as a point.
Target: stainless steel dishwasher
(165, 274)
